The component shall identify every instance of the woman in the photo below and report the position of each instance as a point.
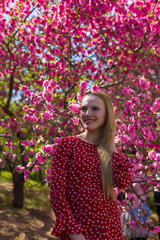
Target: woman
(85, 168)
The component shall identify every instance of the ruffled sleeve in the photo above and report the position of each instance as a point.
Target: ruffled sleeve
(65, 222)
(121, 171)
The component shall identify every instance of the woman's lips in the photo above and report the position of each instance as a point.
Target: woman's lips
(88, 121)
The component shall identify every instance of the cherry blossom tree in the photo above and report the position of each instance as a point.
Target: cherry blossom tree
(52, 53)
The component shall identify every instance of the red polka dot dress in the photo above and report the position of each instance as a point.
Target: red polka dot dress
(76, 192)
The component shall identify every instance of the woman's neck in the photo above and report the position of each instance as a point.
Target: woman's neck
(90, 137)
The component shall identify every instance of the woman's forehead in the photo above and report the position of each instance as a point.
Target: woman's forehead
(92, 100)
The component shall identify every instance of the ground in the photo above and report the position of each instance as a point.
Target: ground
(30, 223)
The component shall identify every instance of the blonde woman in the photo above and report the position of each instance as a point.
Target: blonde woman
(85, 170)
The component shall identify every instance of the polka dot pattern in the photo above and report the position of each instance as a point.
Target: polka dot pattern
(76, 192)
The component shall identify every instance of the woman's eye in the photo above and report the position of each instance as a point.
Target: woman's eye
(95, 108)
(83, 109)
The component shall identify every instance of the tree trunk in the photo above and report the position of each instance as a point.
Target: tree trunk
(18, 190)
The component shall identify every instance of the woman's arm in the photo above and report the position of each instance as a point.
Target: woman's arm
(65, 221)
(121, 171)
(76, 237)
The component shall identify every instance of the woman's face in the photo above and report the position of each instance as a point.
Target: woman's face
(93, 112)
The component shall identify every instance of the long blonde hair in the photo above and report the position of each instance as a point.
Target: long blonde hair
(106, 145)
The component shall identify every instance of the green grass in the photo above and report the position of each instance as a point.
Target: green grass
(5, 176)
(36, 194)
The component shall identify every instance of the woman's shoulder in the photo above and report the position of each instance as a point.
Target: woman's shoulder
(117, 154)
(67, 140)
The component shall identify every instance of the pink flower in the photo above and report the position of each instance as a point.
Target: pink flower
(156, 229)
(158, 156)
(24, 87)
(74, 108)
(143, 83)
(27, 93)
(48, 178)
(83, 86)
(110, 63)
(156, 106)
(95, 88)
(153, 184)
(20, 168)
(75, 121)
(47, 115)
(36, 168)
(29, 164)
(126, 91)
(48, 171)
(140, 114)
(26, 174)
(31, 152)
(152, 155)
(139, 156)
(57, 139)
(132, 224)
(49, 149)
(26, 158)
(40, 159)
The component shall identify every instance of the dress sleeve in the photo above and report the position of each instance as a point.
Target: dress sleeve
(65, 222)
(121, 171)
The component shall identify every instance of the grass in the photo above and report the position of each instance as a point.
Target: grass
(36, 195)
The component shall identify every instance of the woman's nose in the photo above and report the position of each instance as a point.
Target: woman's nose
(88, 112)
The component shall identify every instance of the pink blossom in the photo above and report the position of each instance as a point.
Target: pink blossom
(156, 106)
(132, 224)
(74, 108)
(139, 156)
(143, 83)
(3, 124)
(24, 87)
(47, 115)
(95, 88)
(157, 87)
(20, 168)
(78, 96)
(49, 88)
(45, 83)
(158, 156)
(48, 97)
(27, 93)
(48, 171)
(57, 139)
(152, 155)
(140, 113)
(146, 133)
(29, 164)
(75, 121)
(126, 91)
(36, 168)
(48, 178)
(156, 229)
(110, 63)
(31, 152)
(40, 159)
(26, 158)
(25, 143)
(153, 184)
(26, 174)
(83, 86)
(49, 149)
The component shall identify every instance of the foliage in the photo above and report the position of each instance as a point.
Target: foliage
(52, 52)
